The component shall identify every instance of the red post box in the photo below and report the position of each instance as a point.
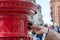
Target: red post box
(13, 19)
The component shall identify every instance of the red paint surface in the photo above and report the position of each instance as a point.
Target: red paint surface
(13, 19)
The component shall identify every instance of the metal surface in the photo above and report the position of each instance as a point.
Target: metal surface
(13, 19)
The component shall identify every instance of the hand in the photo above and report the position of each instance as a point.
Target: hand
(39, 29)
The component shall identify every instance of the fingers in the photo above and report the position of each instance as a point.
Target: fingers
(38, 29)
(39, 32)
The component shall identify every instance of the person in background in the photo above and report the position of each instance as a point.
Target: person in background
(56, 27)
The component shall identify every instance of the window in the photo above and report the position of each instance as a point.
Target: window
(59, 13)
(53, 0)
(58, 0)
(59, 10)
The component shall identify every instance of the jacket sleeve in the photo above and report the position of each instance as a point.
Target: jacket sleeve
(52, 35)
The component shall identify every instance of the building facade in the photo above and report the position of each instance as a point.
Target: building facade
(55, 11)
(40, 21)
(31, 1)
(38, 17)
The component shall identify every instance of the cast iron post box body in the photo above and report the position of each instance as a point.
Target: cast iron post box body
(13, 19)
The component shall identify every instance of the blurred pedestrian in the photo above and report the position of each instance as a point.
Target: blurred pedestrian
(55, 27)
